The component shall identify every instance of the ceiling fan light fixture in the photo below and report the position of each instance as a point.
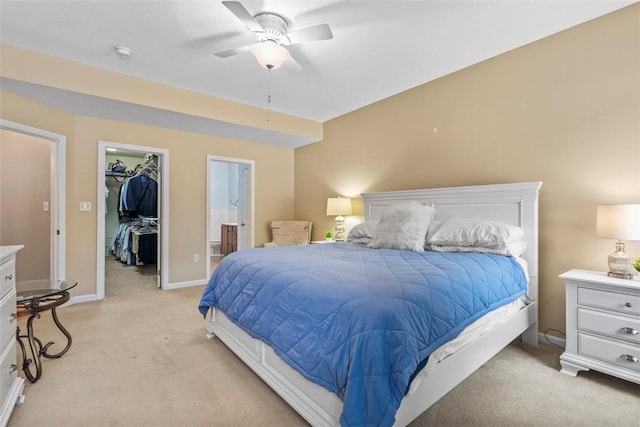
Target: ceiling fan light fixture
(270, 54)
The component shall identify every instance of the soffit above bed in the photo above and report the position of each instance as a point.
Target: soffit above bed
(379, 48)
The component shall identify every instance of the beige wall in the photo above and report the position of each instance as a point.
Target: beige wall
(33, 67)
(564, 110)
(25, 184)
(187, 183)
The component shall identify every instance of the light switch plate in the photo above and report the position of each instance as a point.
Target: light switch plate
(85, 206)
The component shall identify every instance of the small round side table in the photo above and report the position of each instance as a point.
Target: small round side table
(30, 304)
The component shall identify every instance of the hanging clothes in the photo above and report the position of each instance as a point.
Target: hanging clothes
(142, 196)
(139, 197)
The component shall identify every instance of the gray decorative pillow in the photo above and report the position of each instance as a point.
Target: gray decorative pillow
(403, 227)
(363, 232)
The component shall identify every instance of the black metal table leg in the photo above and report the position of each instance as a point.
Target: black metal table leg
(66, 334)
(35, 346)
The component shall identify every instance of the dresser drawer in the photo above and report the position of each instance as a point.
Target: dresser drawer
(609, 351)
(7, 275)
(621, 302)
(613, 325)
(8, 369)
(8, 320)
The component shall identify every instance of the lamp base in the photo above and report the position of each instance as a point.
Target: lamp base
(620, 264)
(620, 275)
(339, 237)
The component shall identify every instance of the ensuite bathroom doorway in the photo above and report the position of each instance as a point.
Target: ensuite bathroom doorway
(230, 207)
(33, 210)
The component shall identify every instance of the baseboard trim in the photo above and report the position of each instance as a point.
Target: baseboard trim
(551, 339)
(188, 284)
(80, 299)
(94, 297)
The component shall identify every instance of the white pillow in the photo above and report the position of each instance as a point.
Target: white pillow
(475, 232)
(514, 249)
(363, 232)
(403, 227)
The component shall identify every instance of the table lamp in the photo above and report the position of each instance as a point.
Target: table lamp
(339, 206)
(620, 222)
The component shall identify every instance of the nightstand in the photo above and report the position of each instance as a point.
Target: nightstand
(603, 325)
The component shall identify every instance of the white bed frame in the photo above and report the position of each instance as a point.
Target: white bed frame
(515, 204)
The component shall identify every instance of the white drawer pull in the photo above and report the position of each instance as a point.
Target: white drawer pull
(14, 316)
(628, 304)
(628, 330)
(13, 368)
(8, 277)
(629, 358)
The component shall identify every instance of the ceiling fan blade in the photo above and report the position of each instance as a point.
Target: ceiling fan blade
(231, 52)
(292, 66)
(242, 14)
(310, 34)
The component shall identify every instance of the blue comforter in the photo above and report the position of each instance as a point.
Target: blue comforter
(356, 320)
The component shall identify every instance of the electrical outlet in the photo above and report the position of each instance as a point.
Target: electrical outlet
(196, 257)
(85, 206)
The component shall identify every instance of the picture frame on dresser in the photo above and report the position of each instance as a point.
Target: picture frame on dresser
(11, 385)
(603, 325)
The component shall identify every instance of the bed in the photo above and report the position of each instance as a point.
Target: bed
(457, 355)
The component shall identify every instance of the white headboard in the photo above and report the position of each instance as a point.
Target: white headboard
(515, 204)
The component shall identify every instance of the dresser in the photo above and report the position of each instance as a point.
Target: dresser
(603, 325)
(11, 384)
(229, 240)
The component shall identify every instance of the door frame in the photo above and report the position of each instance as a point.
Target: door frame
(163, 166)
(57, 202)
(250, 202)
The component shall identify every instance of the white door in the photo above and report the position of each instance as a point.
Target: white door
(159, 220)
(243, 205)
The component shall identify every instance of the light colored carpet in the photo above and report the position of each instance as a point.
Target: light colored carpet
(141, 358)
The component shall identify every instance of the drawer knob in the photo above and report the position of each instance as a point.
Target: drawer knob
(13, 368)
(628, 304)
(629, 358)
(8, 277)
(628, 330)
(14, 316)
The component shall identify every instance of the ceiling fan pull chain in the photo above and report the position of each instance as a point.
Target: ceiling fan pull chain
(269, 96)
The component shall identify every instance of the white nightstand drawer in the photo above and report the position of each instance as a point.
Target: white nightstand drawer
(617, 353)
(621, 302)
(614, 325)
(7, 276)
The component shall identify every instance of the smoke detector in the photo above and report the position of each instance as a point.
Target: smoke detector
(123, 52)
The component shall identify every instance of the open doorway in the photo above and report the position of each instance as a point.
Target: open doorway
(230, 207)
(32, 213)
(132, 236)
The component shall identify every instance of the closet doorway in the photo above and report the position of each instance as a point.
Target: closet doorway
(132, 211)
(230, 207)
(33, 213)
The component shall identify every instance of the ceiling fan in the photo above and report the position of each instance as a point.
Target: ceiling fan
(271, 33)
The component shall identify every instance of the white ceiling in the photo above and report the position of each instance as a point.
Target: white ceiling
(379, 48)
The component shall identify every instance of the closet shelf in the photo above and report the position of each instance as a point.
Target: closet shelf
(118, 174)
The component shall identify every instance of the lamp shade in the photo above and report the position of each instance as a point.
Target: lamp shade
(620, 222)
(338, 206)
(270, 54)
